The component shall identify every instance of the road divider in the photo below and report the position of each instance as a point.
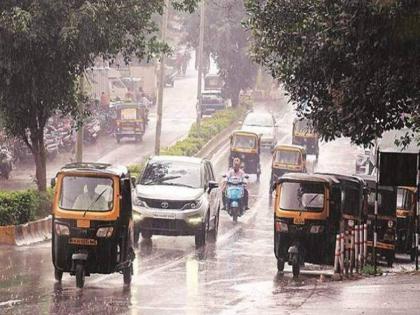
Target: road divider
(26, 234)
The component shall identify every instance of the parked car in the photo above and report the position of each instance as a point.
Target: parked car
(177, 196)
(263, 124)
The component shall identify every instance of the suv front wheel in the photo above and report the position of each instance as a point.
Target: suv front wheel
(201, 235)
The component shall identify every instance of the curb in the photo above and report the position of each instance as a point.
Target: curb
(26, 234)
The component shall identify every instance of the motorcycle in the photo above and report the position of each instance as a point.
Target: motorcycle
(234, 195)
(92, 129)
(6, 163)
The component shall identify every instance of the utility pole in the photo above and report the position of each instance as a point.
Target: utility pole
(200, 59)
(79, 139)
(161, 80)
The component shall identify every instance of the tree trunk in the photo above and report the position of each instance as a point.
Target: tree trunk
(235, 98)
(39, 153)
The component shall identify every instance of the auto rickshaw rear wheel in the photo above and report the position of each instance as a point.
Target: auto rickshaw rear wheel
(127, 272)
(58, 274)
(296, 270)
(390, 260)
(80, 276)
(280, 264)
(146, 235)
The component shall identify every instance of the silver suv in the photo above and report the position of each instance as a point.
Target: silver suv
(178, 195)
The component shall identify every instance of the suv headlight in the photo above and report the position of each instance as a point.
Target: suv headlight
(105, 231)
(194, 204)
(62, 230)
(139, 202)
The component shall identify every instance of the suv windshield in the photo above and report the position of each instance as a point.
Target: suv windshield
(172, 173)
(261, 120)
(302, 196)
(83, 193)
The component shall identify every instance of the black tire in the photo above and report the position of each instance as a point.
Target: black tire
(136, 236)
(200, 237)
(258, 177)
(127, 272)
(280, 264)
(213, 233)
(235, 215)
(58, 274)
(390, 261)
(146, 235)
(80, 276)
(118, 139)
(296, 270)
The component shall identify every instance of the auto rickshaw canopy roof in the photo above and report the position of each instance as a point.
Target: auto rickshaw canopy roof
(290, 147)
(245, 133)
(92, 168)
(304, 177)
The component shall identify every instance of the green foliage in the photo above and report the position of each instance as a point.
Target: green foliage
(227, 42)
(370, 270)
(136, 169)
(22, 206)
(47, 44)
(350, 66)
(198, 137)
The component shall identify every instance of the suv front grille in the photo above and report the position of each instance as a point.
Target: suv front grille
(168, 204)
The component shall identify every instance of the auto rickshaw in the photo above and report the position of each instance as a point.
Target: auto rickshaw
(353, 200)
(246, 146)
(305, 135)
(406, 206)
(92, 221)
(287, 159)
(131, 121)
(386, 220)
(306, 219)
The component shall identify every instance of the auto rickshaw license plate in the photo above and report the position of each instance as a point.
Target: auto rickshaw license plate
(299, 221)
(83, 241)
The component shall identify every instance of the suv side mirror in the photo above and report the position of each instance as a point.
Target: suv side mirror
(212, 184)
(52, 183)
(133, 181)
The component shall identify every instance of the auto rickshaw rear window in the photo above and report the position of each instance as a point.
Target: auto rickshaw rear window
(304, 126)
(288, 157)
(351, 202)
(302, 197)
(83, 193)
(244, 142)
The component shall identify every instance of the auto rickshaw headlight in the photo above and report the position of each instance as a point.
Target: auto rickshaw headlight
(390, 223)
(62, 230)
(350, 223)
(315, 229)
(105, 231)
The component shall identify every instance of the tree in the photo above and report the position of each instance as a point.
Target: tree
(227, 42)
(350, 66)
(47, 45)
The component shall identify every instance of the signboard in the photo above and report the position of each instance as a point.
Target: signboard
(398, 169)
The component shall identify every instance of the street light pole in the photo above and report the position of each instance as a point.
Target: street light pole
(200, 59)
(161, 80)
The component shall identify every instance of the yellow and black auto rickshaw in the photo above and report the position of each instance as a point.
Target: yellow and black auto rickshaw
(287, 159)
(386, 220)
(92, 221)
(246, 146)
(306, 219)
(131, 121)
(406, 209)
(305, 135)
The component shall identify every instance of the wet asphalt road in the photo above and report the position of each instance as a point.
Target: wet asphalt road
(237, 275)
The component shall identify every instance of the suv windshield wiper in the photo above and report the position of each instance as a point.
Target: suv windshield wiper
(177, 184)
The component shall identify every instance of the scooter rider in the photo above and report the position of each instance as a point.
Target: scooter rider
(235, 172)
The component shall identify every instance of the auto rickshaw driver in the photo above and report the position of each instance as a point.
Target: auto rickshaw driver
(235, 172)
(90, 199)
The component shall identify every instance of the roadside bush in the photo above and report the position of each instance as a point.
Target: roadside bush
(198, 137)
(19, 207)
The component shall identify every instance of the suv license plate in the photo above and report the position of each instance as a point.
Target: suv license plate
(159, 215)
